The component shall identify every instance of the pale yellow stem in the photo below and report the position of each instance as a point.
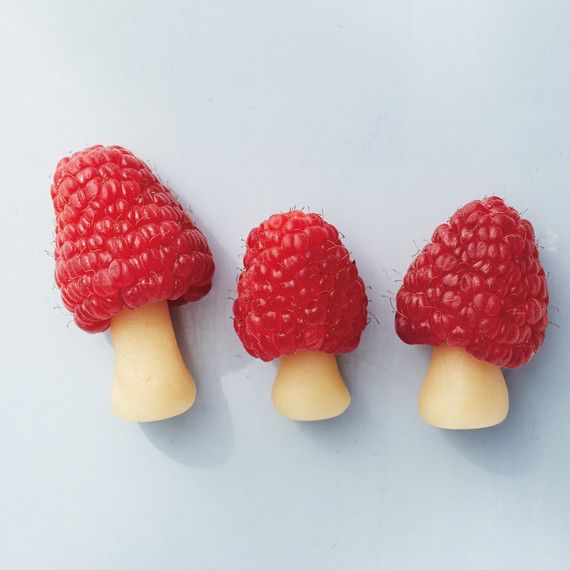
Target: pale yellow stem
(151, 380)
(309, 387)
(462, 392)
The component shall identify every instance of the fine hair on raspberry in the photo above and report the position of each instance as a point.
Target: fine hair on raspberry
(299, 289)
(122, 239)
(478, 284)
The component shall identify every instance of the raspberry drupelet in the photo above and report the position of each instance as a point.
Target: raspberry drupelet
(300, 299)
(125, 249)
(478, 293)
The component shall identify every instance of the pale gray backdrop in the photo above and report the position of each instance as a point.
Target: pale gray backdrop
(385, 115)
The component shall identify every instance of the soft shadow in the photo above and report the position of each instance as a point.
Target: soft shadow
(203, 436)
(345, 432)
(512, 447)
(200, 437)
(538, 394)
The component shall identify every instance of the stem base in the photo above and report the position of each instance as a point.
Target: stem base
(309, 387)
(461, 392)
(151, 380)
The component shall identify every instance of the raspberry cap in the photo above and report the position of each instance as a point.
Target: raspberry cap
(299, 289)
(478, 285)
(122, 239)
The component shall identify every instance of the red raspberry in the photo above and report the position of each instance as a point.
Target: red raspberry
(299, 289)
(478, 285)
(122, 240)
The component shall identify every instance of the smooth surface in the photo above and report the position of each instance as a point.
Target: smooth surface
(461, 392)
(387, 116)
(309, 387)
(151, 381)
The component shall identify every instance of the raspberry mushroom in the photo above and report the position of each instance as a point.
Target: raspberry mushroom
(300, 299)
(125, 249)
(478, 294)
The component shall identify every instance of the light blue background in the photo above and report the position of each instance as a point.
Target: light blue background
(387, 116)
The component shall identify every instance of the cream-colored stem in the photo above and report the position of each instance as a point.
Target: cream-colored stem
(309, 387)
(461, 392)
(151, 380)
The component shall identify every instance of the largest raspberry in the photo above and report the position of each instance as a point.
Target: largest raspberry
(478, 285)
(299, 289)
(122, 239)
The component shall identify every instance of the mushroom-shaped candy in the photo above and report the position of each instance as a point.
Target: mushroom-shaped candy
(124, 249)
(477, 292)
(300, 298)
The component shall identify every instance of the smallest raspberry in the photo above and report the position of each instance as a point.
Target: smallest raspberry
(300, 299)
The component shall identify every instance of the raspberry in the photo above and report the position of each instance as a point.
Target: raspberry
(122, 240)
(478, 285)
(299, 289)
